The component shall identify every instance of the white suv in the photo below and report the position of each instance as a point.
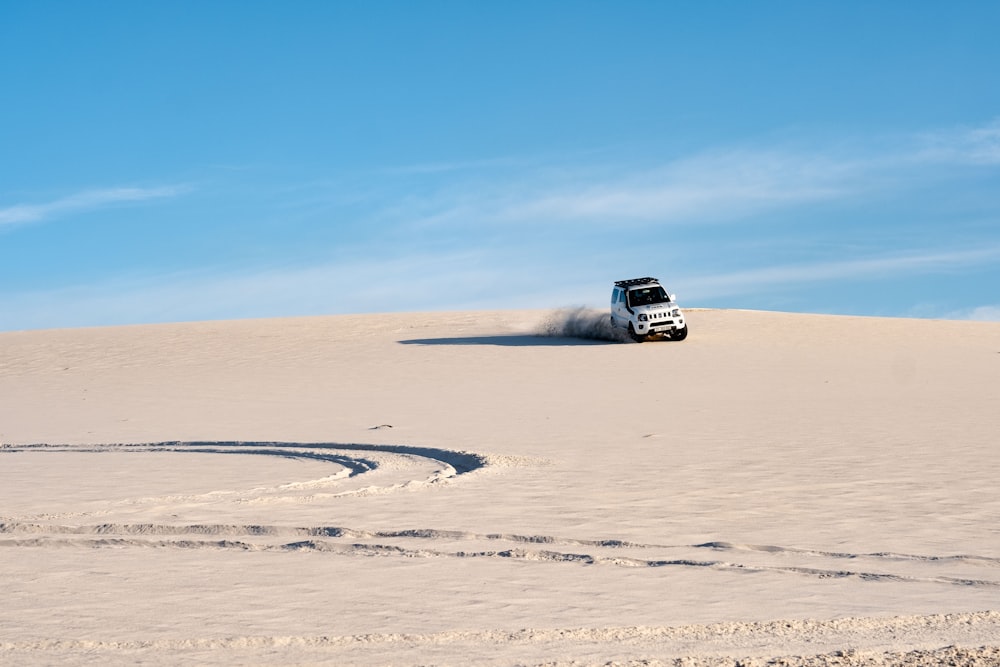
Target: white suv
(642, 306)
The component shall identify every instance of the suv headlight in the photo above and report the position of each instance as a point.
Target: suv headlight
(643, 317)
(676, 312)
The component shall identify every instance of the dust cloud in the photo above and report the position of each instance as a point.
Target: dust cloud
(582, 323)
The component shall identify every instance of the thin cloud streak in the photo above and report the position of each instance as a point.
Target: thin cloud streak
(741, 282)
(973, 146)
(720, 185)
(82, 201)
(654, 198)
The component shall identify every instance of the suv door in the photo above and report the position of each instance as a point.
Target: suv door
(618, 313)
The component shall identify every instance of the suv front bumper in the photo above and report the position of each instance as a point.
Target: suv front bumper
(660, 326)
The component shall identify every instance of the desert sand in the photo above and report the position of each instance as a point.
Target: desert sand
(499, 488)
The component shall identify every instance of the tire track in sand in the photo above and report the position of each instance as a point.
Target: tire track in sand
(357, 469)
(389, 468)
(429, 543)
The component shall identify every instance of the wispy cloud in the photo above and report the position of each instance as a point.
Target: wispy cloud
(710, 185)
(970, 145)
(741, 282)
(723, 184)
(83, 201)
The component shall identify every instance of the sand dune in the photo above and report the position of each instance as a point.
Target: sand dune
(502, 488)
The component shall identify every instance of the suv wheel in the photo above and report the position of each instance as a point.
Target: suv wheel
(679, 334)
(636, 337)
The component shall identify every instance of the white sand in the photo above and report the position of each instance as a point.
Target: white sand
(451, 488)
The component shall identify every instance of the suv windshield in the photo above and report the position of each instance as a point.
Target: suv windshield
(645, 296)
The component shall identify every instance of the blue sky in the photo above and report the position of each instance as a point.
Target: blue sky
(175, 161)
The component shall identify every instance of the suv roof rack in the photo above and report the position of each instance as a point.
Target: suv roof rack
(635, 281)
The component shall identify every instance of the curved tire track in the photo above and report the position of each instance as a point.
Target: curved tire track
(389, 468)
